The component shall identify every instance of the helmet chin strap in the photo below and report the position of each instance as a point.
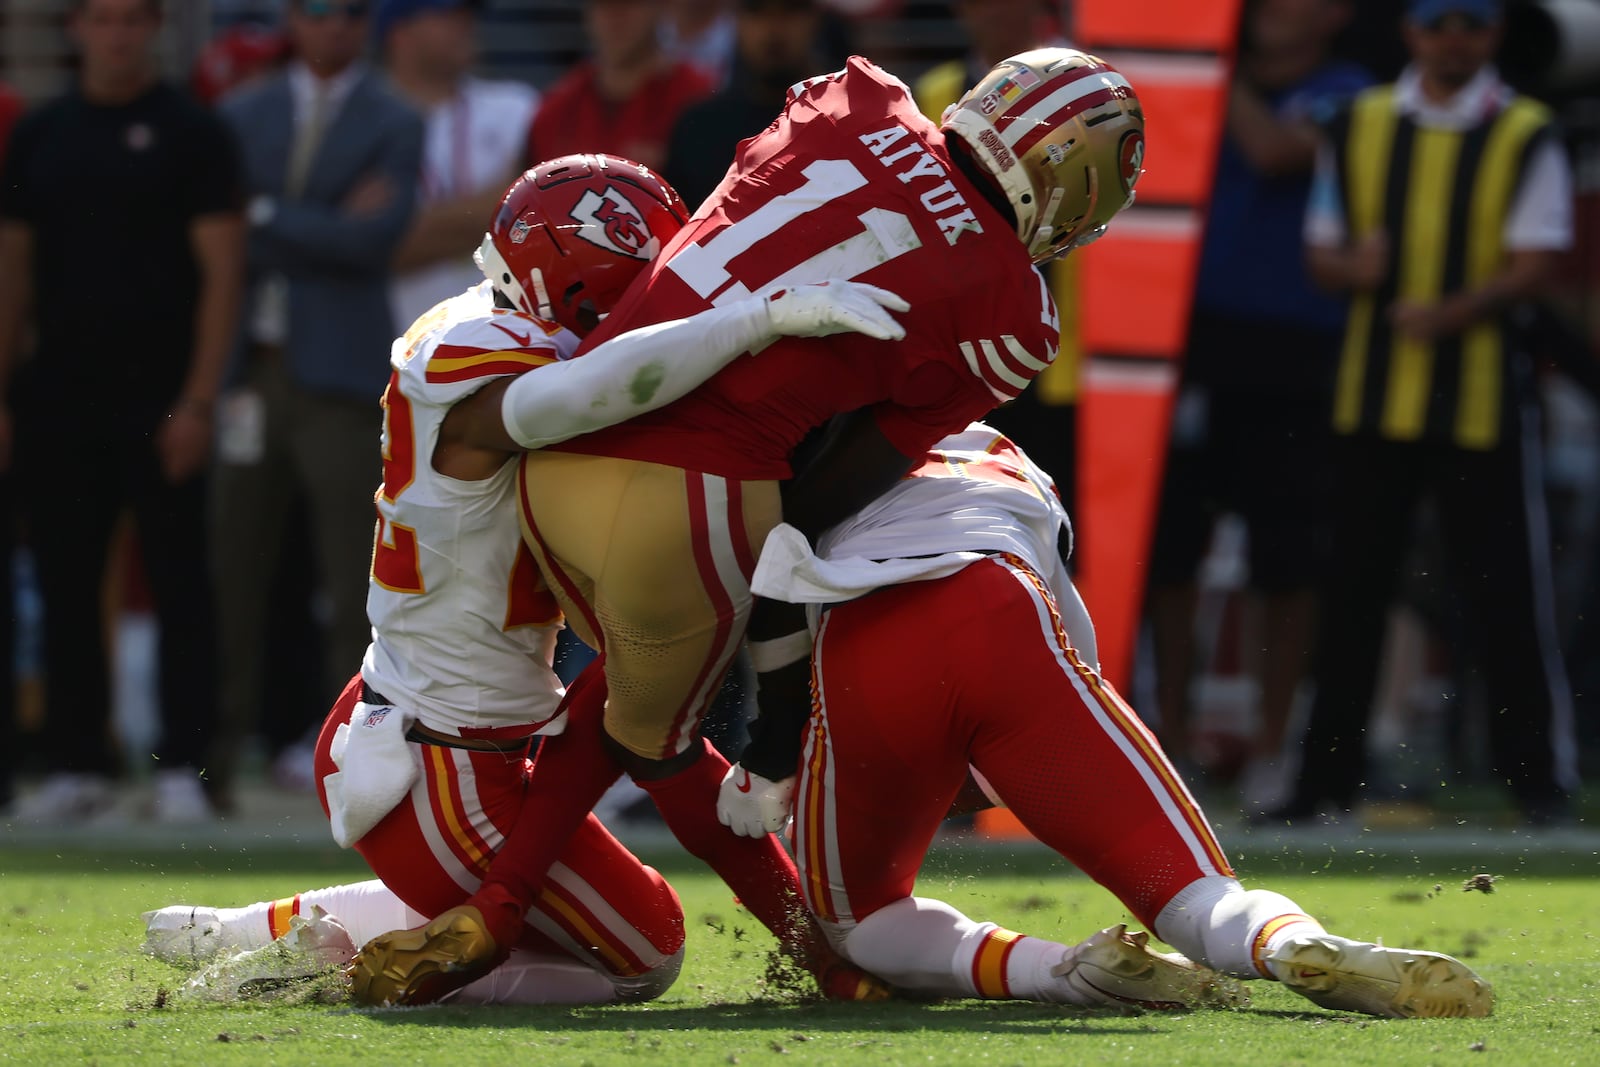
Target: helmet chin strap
(501, 276)
(541, 305)
(1042, 236)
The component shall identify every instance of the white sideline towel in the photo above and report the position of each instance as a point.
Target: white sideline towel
(789, 570)
(377, 768)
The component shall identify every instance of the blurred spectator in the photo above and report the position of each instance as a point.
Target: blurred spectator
(777, 46)
(10, 108)
(1044, 419)
(625, 97)
(476, 132)
(237, 57)
(1440, 204)
(331, 162)
(700, 32)
(1249, 434)
(127, 175)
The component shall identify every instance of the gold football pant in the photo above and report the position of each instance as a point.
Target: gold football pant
(652, 566)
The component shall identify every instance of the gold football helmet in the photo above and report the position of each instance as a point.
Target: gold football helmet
(1063, 134)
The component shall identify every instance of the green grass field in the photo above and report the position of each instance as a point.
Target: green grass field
(74, 987)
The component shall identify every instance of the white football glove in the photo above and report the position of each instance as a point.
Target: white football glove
(821, 309)
(753, 806)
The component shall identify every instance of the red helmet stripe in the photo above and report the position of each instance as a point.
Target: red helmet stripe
(1040, 94)
(1043, 129)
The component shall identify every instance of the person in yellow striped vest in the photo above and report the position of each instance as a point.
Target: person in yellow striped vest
(1439, 205)
(1044, 419)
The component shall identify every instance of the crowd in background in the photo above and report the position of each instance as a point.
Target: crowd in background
(200, 279)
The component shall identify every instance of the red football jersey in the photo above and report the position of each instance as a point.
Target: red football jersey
(850, 182)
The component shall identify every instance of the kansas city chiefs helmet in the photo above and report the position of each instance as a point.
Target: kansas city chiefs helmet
(1063, 134)
(571, 234)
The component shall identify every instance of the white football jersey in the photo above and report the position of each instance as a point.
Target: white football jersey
(463, 628)
(973, 492)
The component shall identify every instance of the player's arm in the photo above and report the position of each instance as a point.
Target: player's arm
(854, 465)
(650, 367)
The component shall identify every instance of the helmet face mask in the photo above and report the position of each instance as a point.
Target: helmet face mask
(571, 235)
(1063, 134)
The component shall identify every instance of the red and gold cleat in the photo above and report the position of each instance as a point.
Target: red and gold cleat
(422, 966)
(846, 981)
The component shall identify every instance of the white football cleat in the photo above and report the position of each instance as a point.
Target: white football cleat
(315, 946)
(184, 934)
(1120, 970)
(1346, 975)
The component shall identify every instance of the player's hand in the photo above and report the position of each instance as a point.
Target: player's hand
(822, 309)
(753, 806)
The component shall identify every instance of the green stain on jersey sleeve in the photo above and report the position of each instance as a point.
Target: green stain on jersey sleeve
(647, 382)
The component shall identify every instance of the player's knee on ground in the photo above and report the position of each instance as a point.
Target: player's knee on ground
(912, 943)
(652, 983)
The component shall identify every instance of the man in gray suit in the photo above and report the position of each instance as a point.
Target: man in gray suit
(331, 159)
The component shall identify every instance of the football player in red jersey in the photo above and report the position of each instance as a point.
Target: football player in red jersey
(422, 761)
(648, 532)
(971, 546)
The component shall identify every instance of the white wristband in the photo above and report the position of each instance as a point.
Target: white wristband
(780, 651)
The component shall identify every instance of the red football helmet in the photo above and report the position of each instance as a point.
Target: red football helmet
(571, 235)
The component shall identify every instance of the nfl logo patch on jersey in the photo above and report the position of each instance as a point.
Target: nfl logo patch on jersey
(376, 716)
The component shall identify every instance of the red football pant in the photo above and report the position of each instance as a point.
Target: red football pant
(599, 903)
(889, 742)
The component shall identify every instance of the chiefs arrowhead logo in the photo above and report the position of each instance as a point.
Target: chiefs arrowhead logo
(611, 221)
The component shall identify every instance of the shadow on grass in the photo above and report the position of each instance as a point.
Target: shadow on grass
(1550, 856)
(795, 1017)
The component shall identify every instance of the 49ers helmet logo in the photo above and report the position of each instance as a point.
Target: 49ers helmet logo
(611, 221)
(1130, 158)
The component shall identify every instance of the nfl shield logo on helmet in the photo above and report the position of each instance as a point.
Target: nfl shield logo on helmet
(519, 231)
